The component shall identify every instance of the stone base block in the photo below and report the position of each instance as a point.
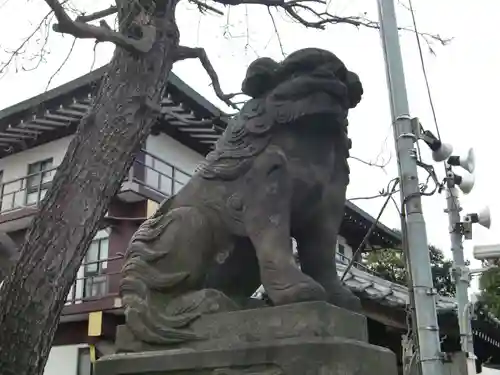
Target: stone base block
(223, 330)
(296, 356)
(313, 338)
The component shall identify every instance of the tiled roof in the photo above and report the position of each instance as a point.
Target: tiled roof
(60, 109)
(373, 287)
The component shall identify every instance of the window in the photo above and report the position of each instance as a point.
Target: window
(341, 249)
(84, 363)
(39, 177)
(95, 265)
(164, 177)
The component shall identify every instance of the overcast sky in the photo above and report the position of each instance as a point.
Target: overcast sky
(463, 78)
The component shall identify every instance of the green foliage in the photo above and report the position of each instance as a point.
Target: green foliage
(390, 264)
(489, 285)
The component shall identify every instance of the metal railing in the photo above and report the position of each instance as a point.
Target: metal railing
(153, 173)
(25, 191)
(103, 282)
(158, 175)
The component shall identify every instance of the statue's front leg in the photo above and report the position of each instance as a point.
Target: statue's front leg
(267, 222)
(316, 245)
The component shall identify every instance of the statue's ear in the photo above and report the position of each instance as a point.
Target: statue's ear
(355, 88)
(260, 77)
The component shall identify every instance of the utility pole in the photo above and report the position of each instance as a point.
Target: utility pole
(460, 271)
(418, 260)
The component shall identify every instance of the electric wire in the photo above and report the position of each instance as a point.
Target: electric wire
(427, 84)
(395, 182)
(424, 70)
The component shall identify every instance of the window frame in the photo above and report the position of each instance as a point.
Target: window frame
(91, 277)
(41, 185)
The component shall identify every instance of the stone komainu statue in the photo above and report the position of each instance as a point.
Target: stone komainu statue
(279, 170)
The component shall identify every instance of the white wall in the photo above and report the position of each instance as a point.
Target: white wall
(16, 166)
(170, 164)
(489, 371)
(63, 360)
(173, 152)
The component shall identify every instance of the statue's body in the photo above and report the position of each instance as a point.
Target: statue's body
(279, 170)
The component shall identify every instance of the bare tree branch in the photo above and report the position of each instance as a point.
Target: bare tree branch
(18, 50)
(103, 34)
(371, 164)
(204, 7)
(62, 64)
(97, 15)
(323, 18)
(277, 32)
(200, 54)
(94, 55)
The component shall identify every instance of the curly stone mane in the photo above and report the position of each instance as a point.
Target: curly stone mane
(249, 133)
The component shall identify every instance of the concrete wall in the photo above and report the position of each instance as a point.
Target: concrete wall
(63, 360)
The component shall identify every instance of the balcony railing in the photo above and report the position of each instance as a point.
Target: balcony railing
(96, 280)
(157, 174)
(26, 191)
(148, 171)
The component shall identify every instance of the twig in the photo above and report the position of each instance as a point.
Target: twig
(18, 49)
(183, 53)
(277, 32)
(103, 34)
(41, 54)
(321, 19)
(94, 56)
(369, 163)
(374, 224)
(205, 7)
(62, 64)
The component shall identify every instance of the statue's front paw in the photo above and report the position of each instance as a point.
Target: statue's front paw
(295, 288)
(342, 297)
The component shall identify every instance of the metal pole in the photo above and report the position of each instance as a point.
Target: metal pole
(460, 271)
(424, 294)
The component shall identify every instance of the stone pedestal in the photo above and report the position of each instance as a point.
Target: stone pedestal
(302, 339)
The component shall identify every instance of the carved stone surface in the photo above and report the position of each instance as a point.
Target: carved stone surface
(279, 170)
(224, 330)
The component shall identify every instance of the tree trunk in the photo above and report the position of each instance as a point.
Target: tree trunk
(91, 173)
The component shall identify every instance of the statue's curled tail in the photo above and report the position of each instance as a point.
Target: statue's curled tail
(149, 318)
